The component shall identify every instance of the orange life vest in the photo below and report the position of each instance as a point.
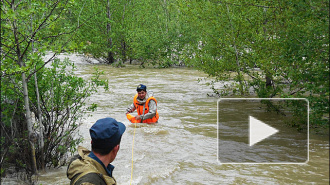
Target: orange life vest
(139, 109)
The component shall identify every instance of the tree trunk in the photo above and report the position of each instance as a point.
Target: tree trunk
(41, 133)
(110, 53)
(238, 69)
(123, 50)
(111, 59)
(268, 81)
(29, 122)
(41, 130)
(26, 96)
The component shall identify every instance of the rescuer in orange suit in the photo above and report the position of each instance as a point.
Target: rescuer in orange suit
(145, 105)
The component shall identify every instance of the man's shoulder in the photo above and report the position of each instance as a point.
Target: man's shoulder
(152, 100)
(91, 179)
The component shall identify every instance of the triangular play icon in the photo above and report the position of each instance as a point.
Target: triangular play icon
(259, 130)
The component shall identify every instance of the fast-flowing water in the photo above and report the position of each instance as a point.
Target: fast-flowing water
(182, 148)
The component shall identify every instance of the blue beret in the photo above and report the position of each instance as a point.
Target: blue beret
(106, 133)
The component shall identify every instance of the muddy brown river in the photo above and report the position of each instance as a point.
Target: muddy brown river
(183, 147)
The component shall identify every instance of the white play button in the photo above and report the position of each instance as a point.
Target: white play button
(246, 134)
(259, 130)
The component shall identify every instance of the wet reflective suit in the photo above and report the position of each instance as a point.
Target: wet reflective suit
(149, 115)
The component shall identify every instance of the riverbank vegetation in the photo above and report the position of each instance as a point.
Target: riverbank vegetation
(270, 49)
(42, 101)
(282, 47)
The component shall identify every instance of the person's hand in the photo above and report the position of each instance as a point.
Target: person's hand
(137, 117)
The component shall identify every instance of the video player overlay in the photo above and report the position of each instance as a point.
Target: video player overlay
(263, 130)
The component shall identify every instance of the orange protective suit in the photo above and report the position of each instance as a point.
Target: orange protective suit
(139, 109)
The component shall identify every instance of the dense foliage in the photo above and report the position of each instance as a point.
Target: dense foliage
(41, 107)
(62, 103)
(271, 49)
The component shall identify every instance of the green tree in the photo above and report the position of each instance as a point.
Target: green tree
(147, 31)
(273, 49)
(29, 29)
(97, 34)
